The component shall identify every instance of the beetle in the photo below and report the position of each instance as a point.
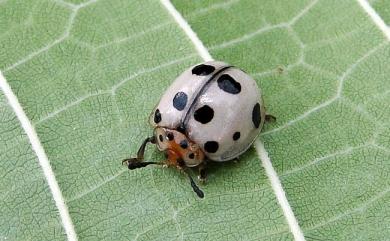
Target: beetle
(212, 112)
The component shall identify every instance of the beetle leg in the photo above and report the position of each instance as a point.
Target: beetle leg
(270, 118)
(202, 173)
(141, 151)
(133, 163)
(195, 188)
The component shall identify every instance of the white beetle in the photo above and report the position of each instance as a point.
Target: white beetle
(212, 111)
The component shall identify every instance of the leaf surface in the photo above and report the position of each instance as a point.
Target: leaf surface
(88, 73)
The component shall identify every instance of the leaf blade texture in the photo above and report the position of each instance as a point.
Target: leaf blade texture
(88, 74)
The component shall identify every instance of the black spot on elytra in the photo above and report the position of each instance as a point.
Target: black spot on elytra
(211, 146)
(228, 84)
(256, 117)
(180, 100)
(204, 114)
(236, 135)
(203, 69)
(157, 116)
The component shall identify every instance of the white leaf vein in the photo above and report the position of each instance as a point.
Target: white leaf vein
(263, 155)
(361, 208)
(42, 158)
(267, 28)
(56, 41)
(337, 96)
(375, 18)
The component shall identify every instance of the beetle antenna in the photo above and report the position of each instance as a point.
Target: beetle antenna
(195, 187)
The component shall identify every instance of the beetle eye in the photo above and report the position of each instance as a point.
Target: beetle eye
(191, 156)
(170, 136)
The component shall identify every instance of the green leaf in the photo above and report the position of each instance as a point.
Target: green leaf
(88, 73)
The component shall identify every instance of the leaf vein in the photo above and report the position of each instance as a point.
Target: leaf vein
(65, 35)
(360, 208)
(42, 158)
(266, 28)
(337, 96)
(94, 188)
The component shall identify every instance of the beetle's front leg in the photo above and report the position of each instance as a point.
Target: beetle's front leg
(141, 150)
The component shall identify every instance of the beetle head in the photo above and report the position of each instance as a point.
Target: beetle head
(178, 147)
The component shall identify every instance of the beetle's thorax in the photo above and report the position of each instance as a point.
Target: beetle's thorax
(179, 148)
